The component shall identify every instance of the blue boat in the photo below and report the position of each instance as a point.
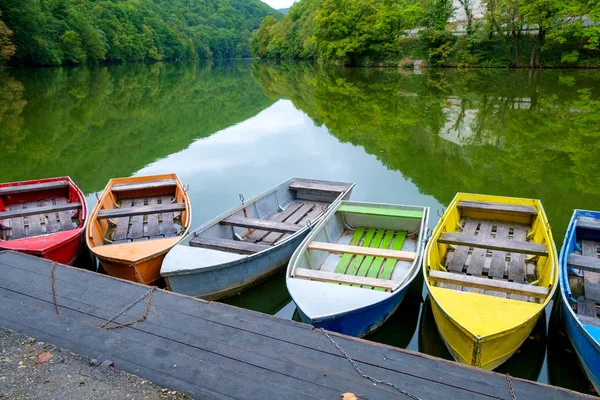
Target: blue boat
(580, 289)
(251, 241)
(352, 271)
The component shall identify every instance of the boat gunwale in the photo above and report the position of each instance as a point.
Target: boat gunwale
(415, 266)
(249, 257)
(69, 235)
(551, 255)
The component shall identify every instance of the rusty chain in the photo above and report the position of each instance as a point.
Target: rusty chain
(510, 387)
(141, 318)
(52, 279)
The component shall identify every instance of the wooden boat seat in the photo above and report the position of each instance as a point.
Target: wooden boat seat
(379, 211)
(512, 246)
(324, 276)
(143, 218)
(587, 307)
(588, 223)
(489, 284)
(253, 223)
(35, 187)
(126, 187)
(584, 263)
(318, 188)
(231, 246)
(591, 279)
(135, 211)
(363, 251)
(497, 207)
(37, 218)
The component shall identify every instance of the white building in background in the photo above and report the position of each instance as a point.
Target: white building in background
(477, 6)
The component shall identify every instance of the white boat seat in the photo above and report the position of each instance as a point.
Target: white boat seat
(324, 276)
(363, 251)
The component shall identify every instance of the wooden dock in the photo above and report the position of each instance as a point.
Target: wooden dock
(211, 350)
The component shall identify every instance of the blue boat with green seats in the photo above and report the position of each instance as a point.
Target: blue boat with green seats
(352, 271)
(580, 289)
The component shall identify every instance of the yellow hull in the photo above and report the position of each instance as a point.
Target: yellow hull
(480, 329)
(138, 261)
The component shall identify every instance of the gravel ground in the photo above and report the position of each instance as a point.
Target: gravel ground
(28, 372)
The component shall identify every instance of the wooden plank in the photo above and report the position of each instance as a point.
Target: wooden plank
(294, 218)
(378, 262)
(39, 210)
(324, 276)
(516, 267)
(584, 263)
(122, 228)
(266, 225)
(34, 224)
(311, 218)
(363, 251)
(52, 222)
(17, 225)
(379, 211)
(205, 319)
(588, 223)
(64, 217)
(153, 225)
(346, 258)
(589, 321)
(589, 248)
(139, 209)
(127, 187)
(318, 187)
(513, 246)
(281, 216)
(489, 284)
(137, 221)
(479, 255)
(353, 269)
(586, 307)
(498, 207)
(498, 263)
(231, 246)
(168, 227)
(34, 187)
(366, 264)
(390, 263)
(457, 260)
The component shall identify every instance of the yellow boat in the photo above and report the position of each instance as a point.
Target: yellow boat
(136, 222)
(491, 269)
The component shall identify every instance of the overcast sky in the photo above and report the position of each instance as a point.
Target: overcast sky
(276, 4)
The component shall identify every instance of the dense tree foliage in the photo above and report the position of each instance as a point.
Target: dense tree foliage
(53, 32)
(373, 32)
(7, 48)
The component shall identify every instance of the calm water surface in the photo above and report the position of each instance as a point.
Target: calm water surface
(235, 127)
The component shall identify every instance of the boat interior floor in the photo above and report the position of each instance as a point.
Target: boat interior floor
(498, 265)
(52, 215)
(154, 225)
(588, 299)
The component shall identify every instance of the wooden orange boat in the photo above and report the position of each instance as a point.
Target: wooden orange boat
(136, 222)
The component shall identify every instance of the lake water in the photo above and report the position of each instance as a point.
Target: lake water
(231, 128)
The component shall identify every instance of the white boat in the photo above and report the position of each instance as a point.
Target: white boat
(251, 241)
(353, 270)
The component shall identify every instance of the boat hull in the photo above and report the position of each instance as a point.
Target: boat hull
(362, 321)
(229, 279)
(146, 271)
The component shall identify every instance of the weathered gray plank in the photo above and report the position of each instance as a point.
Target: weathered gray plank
(168, 227)
(584, 263)
(498, 264)
(588, 223)
(258, 235)
(17, 225)
(139, 209)
(33, 187)
(65, 217)
(137, 221)
(232, 246)
(516, 268)
(38, 210)
(34, 223)
(318, 187)
(589, 321)
(460, 254)
(122, 228)
(254, 223)
(292, 219)
(513, 246)
(153, 225)
(499, 207)
(52, 223)
(311, 217)
(478, 255)
(126, 187)
(586, 307)
(589, 248)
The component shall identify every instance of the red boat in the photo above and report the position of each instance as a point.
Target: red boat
(44, 217)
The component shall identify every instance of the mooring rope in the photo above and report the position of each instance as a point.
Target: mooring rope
(129, 307)
(53, 289)
(357, 368)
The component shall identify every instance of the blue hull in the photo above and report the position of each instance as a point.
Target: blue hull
(585, 338)
(362, 321)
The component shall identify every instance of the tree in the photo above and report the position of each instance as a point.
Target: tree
(504, 16)
(548, 16)
(7, 48)
(71, 46)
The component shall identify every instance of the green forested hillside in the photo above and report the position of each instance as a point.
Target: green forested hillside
(53, 32)
(513, 33)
